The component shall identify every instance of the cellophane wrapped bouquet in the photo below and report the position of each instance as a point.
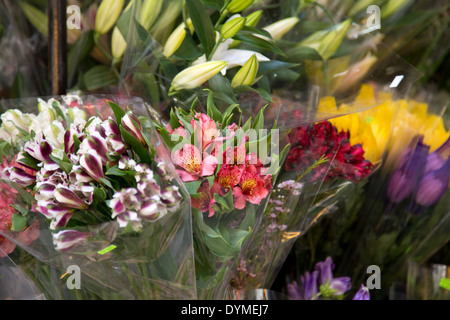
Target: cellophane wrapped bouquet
(402, 208)
(96, 188)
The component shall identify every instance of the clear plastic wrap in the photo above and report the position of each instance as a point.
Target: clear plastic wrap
(127, 234)
(15, 284)
(21, 61)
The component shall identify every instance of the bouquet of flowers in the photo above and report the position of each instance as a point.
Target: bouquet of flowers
(407, 201)
(321, 284)
(96, 178)
(228, 169)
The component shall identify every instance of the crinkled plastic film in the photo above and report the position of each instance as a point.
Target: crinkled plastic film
(156, 262)
(15, 284)
(20, 69)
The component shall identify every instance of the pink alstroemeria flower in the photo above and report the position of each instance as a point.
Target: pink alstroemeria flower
(205, 201)
(252, 187)
(194, 164)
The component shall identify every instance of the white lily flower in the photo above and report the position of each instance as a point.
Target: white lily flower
(233, 57)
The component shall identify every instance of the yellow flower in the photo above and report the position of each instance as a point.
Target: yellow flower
(384, 125)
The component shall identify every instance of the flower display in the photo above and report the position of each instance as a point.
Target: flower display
(320, 284)
(97, 182)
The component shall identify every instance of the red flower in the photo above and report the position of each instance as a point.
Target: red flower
(309, 143)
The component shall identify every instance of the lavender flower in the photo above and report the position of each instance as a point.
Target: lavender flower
(410, 169)
(320, 284)
(362, 294)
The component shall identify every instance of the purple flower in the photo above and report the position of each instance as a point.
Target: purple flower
(362, 294)
(409, 171)
(338, 286)
(433, 185)
(39, 149)
(309, 284)
(91, 162)
(132, 124)
(68, 198)
(294, 291)
(68, 239)
(20, 176)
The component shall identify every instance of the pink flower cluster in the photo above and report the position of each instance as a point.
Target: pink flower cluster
(7, 196)
(233, 169)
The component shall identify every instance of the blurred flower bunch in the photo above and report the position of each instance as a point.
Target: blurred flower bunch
(97, 183)
(322, 139)
(228, 170)
(320, 284)
(73, 168)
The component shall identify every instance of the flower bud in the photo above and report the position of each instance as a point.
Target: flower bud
(433, 185)
(13, 119)
(253, 18)
(231, 27)
(68, 198)
(91, 162)
(195, 76)
(326, 42)
(97, 143)
(278, 29)
(247, 74)
(152, 209)
(132, 124)
(362, 294)
(149, 12)
(107, 15)
(20, 176)
(176, 38)
(68, 239)
(39, 149)
(238, 5)
(411, 167)
(118, 44)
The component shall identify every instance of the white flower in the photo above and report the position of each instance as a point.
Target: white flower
(233, 57)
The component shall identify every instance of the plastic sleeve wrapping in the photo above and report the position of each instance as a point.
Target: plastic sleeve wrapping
(21, 57)
(153, 262)
(15, 284)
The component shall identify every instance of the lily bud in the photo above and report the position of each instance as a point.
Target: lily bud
(107, 15)
(278, 29)
(132, 124)
(195, 76)
(118, 44)
(231, 27)
(253, 18)
(68, 198)
(149, 12)
(238, 5)
(91, 162)
(326, 42)
(247, 74)
(176, 38)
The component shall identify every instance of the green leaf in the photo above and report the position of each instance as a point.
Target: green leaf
(36, 17)
(119, 113)
(258, 42)
(202, 24)
(259, 119)
(302, 53)
(137, 147)
(192, 186)
(18, 222)
(99, 77)
(211, 108)
(81, 49)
